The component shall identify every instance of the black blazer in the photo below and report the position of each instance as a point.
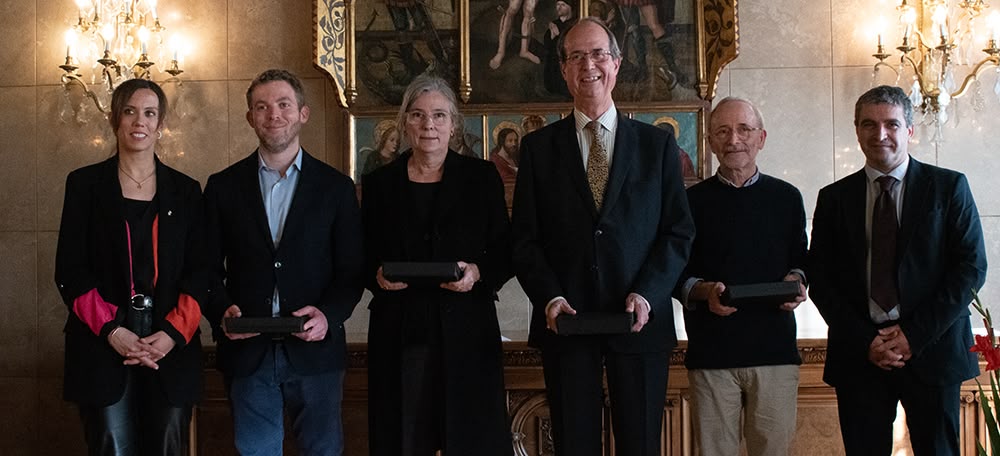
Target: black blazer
(941, 258)
(639, 242)
(318, 262)
(470, 224)
(93, 253)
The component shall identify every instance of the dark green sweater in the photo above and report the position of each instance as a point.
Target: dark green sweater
(744, 235)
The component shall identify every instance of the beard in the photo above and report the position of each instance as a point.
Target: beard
(513, 153)
(279, 141)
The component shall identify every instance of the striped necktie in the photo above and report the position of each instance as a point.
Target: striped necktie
(884, 227)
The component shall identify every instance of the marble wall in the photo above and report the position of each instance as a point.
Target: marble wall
(803, 63)
(40, 143)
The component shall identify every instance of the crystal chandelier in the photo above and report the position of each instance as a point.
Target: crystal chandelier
(940, 38)
(118, 40)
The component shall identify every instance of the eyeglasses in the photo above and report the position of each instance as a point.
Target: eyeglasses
(596, 56)
(742, 132)
(418, 117)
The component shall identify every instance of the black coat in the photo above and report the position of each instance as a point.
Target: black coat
(469, 223)
(940, 256)
(93, 253)
(639, 242)
(318, 262)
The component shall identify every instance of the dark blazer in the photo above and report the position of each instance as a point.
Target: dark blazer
(318, 262)
(93, 253)
(469, 224)
(941, 258)
(639, 241)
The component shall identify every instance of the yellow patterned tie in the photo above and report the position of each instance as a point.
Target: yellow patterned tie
(597, 164)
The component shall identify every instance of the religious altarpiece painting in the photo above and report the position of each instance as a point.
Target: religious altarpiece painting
(500, 57)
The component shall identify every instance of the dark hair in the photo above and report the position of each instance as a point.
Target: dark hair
(125, 91)
(425, 84)
(276, 74)
(889, 95)
(616, 51)
(502, 136)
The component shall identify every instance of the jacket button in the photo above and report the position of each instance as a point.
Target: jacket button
(598, 233)
(593, 268)
(277, 265)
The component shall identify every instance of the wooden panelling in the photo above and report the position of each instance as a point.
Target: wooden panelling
(817, 429)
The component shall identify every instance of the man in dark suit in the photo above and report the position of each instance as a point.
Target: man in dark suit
(601, 224)
(286, 235)
(897, 249)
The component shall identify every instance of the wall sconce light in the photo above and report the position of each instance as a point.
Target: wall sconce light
(939, 40)
(119, 40)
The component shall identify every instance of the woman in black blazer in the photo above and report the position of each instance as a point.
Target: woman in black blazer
(126, 267)
(435, 358)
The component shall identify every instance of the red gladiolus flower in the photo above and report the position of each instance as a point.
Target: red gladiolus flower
(992, 354)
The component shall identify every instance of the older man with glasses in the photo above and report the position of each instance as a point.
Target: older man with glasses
(601, 225)
(748, 387)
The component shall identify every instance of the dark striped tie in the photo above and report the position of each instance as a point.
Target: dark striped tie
(884, 228)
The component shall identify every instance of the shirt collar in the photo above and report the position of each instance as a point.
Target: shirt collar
(752, 180)
(898, 172)
(608, 120)
(296, 164)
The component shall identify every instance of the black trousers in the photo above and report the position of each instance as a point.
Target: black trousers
(422, 398)
(637, 385)
(141, 423)
(867, 411)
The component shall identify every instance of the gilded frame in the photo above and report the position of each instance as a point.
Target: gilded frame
(688, 122)
(337, 26)
(367, 127)
(483, 123)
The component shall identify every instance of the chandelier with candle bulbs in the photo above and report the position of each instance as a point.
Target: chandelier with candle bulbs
(956, 36)
(118, 40)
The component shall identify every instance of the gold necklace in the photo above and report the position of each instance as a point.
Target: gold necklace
(138, 183)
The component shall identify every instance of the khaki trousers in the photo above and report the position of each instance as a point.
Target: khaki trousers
(761, 400)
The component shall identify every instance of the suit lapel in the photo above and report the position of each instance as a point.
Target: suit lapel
(166, 192)
(169, 200)
(450, 191)
(398, 182)
(625, 148)
(306, 188)
(111, 208)
(249, 183)
(111, 201)
(915, 197)
(855, 198)
(567, 145)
